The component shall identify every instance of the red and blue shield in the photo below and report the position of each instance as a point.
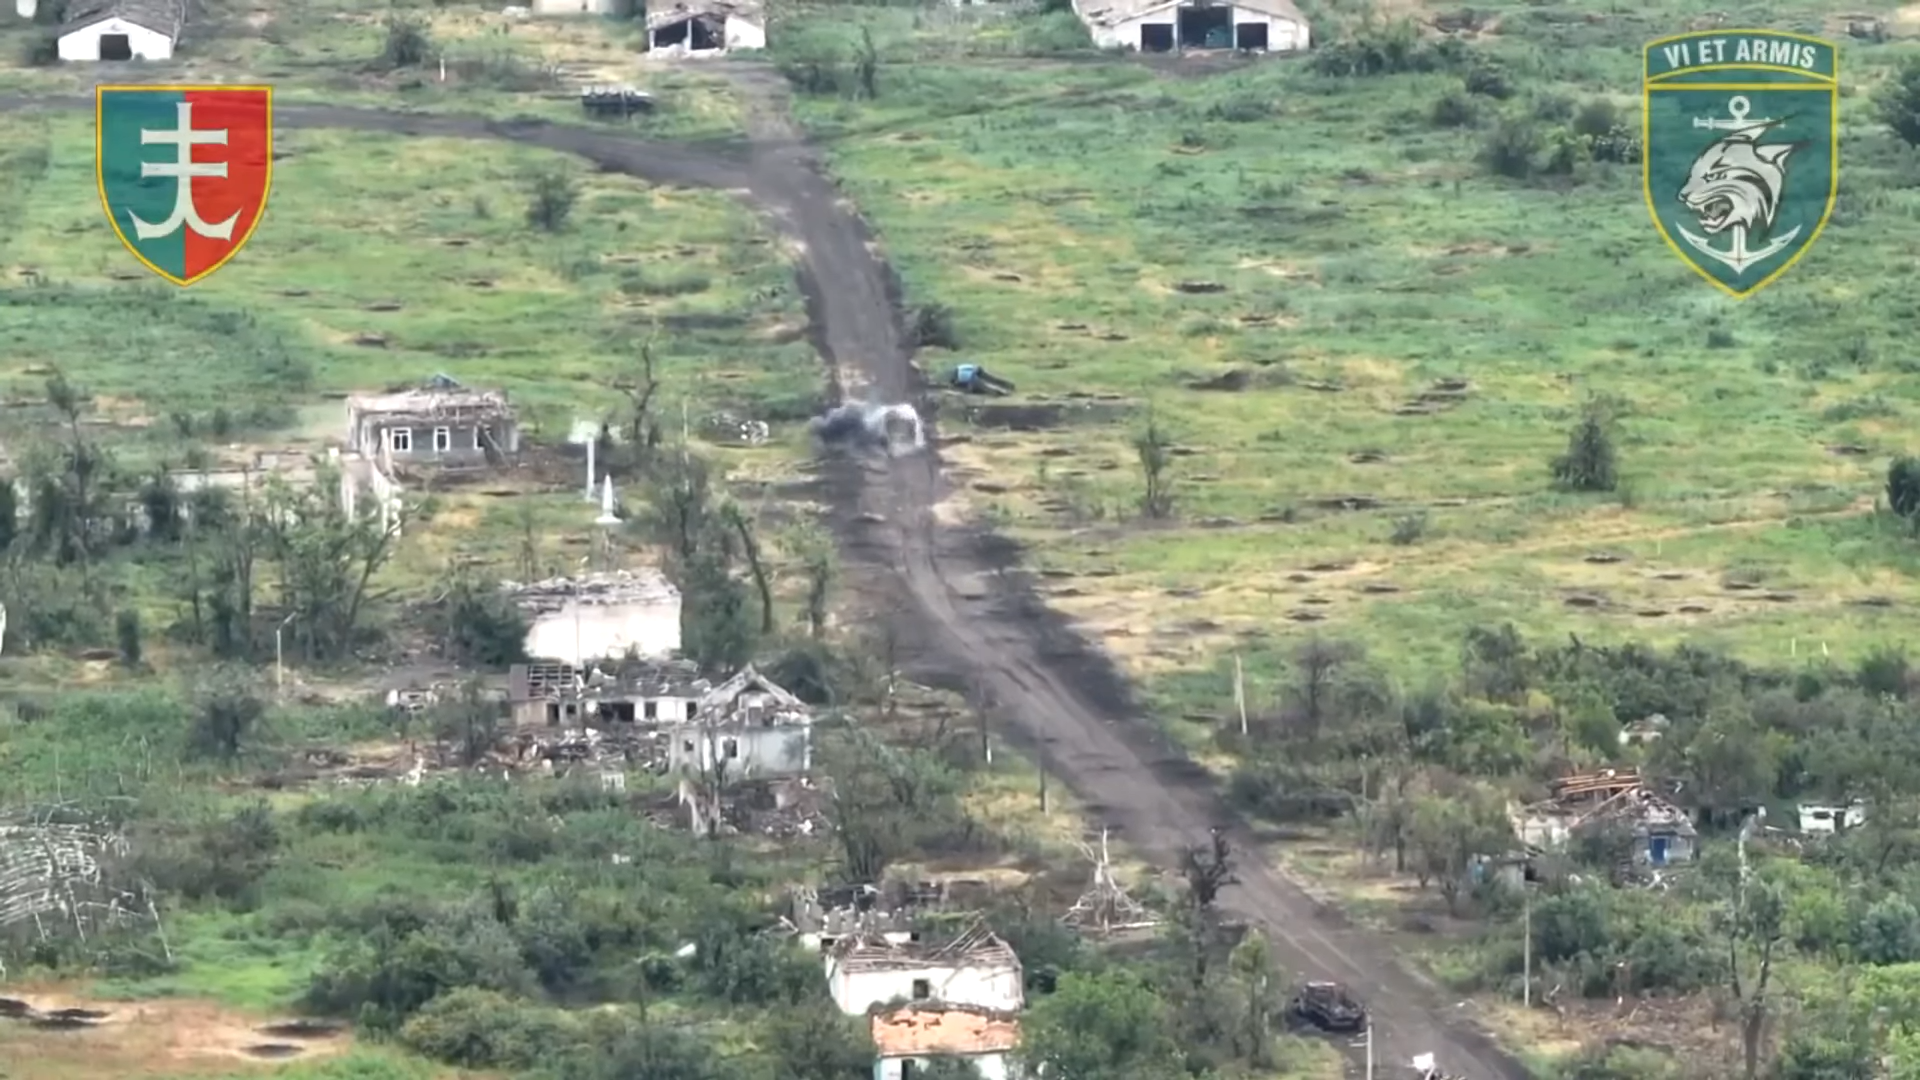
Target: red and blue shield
(184, 172)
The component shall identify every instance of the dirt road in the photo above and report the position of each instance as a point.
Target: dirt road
(967, 617)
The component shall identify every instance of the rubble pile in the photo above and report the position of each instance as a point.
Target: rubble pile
(779, 809)
(641, 748)
(608, 587)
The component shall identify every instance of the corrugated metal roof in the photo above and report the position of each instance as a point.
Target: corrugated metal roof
(160, 16)
(1115, 12)
(977, 947)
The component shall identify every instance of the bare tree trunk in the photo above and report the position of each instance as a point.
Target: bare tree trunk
(754, 566)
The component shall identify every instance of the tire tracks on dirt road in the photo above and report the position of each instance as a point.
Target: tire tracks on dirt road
(967, 615)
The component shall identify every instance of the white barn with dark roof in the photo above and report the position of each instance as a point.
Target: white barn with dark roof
(1181, 25)
(110, 30)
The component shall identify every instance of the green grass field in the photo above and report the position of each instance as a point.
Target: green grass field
(1364, 261)
(382, 261)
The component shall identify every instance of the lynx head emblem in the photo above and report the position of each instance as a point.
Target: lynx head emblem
(1738, 180)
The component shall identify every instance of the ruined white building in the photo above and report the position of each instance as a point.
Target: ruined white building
(599, 616)
(747, 727)
(698, 28)
(438, 424)
(976, 969)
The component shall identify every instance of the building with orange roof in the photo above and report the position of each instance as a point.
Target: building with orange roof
(908, 1036)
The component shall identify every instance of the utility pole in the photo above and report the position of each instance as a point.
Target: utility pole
(1369, 1048)
(279, 656)
(1526, 980)
(1240, 693)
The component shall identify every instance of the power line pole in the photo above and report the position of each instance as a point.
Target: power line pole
(1526, 980)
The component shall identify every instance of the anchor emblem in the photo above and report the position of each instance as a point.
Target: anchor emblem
(1735, 186)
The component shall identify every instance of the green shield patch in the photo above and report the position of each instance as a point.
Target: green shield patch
(1742, 157)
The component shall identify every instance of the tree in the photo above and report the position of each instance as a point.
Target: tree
(737, 519)
(817, 555)
(551, 195)
(325, 560)
(866, 65)
(1589, 463)
(1448, 834)
(126, 629)
(643, 1050)
(9, 513)
(1754, 926)
(1207, 870)
(887, 802)
(226, 710)
(1155, 451)
(1899, 103)
(481, 627)
(816, 1042)
(1317, 665)
(1729, 760)
(1903, 487)
(703, 535)
(469, 721)
(642, 429)
(1252, 963)
(1098, 1027)
(68, 512)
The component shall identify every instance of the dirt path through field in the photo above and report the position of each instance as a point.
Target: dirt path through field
(1048, 687)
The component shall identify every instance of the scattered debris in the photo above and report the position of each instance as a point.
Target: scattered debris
(780, 809)
(1105, 908)
(52, 880)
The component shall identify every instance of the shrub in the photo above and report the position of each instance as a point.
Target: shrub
(1489, 80)
(40, 49)
(1512, 149)
(407, 44)
(1596, 118)
(1589, 463)
(1898, 103)
(1455, 109)
(1408, 529)
(1395, 49)
(1889, 932)
(1903, 487)
(482, 1029)
(126, 628)
(551, 195)
(931, 325)
(1240, 110)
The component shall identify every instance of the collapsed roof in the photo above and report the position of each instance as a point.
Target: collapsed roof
(708, 9)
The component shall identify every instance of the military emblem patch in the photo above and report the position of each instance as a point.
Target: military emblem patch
(1742, 157)
(183, 172)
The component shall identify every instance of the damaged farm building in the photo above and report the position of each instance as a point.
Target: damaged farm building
(705, 28)
(1161, 26)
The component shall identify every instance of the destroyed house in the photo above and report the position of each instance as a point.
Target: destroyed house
(705, 28)
(746, 727)
(1660, 832)
(591, 617)
(821, 918)
(663, 692)
(975, 969)
(907, 1039)
(1177, 25)
(439, 423)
